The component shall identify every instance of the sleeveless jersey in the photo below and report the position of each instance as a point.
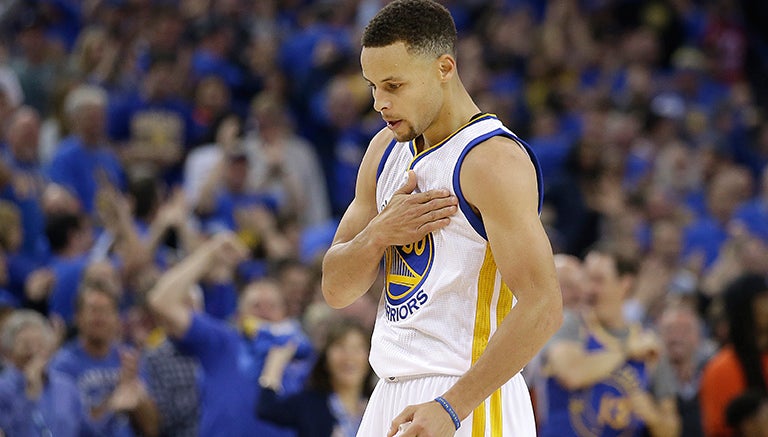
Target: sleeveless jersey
(443, 296)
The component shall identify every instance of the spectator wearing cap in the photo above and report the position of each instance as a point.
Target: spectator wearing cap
(83, 162)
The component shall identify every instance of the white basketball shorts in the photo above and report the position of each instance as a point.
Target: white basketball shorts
(507, 413)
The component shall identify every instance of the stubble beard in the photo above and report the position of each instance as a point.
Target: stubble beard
(408, 136)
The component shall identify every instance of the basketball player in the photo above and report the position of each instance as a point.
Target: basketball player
(449, 198)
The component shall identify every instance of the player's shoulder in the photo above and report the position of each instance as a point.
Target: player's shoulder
(381, 140)
(499, 151)
(377, 147)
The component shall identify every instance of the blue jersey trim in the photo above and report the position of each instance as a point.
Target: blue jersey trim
(421, 155)
(474, 219)
(384, 158)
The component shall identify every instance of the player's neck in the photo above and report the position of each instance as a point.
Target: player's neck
(457, 111)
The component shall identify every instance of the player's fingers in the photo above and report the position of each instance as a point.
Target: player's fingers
(409, 185)
(434, 225)
(437, 204)
(440, 213)
(432, 195)
(403, 418)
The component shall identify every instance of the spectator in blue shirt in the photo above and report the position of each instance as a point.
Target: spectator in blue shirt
(727, 191)
(754, 214)
(152, 124)
(337, 390)
(106, 372)
(28, 180)
(69, 238)
(83, 162)
(231, 357)
(35, 400)
(211, 56)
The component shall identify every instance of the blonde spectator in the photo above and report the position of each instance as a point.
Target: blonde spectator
(36, 399)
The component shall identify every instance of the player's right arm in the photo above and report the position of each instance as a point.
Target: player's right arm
(352, 262)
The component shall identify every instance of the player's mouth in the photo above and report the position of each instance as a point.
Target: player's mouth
(393, 124)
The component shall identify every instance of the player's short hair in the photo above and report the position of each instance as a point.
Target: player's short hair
(425, 27)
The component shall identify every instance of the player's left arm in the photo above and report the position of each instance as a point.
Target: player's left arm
(499, 180)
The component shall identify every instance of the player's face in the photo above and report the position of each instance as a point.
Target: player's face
(406, 88)
(348, 360)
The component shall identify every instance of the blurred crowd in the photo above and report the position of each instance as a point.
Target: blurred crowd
(145, 140)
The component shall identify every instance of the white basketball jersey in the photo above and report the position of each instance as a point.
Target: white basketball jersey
(444, 296)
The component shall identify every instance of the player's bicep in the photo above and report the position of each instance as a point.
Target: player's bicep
(362, 209)
(499, 180)
(355, 219)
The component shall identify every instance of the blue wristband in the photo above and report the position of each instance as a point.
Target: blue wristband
(449, 409)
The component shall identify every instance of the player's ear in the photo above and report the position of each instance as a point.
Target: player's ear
(447, 65)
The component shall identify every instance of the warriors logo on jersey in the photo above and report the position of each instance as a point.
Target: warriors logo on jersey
(407, 267)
